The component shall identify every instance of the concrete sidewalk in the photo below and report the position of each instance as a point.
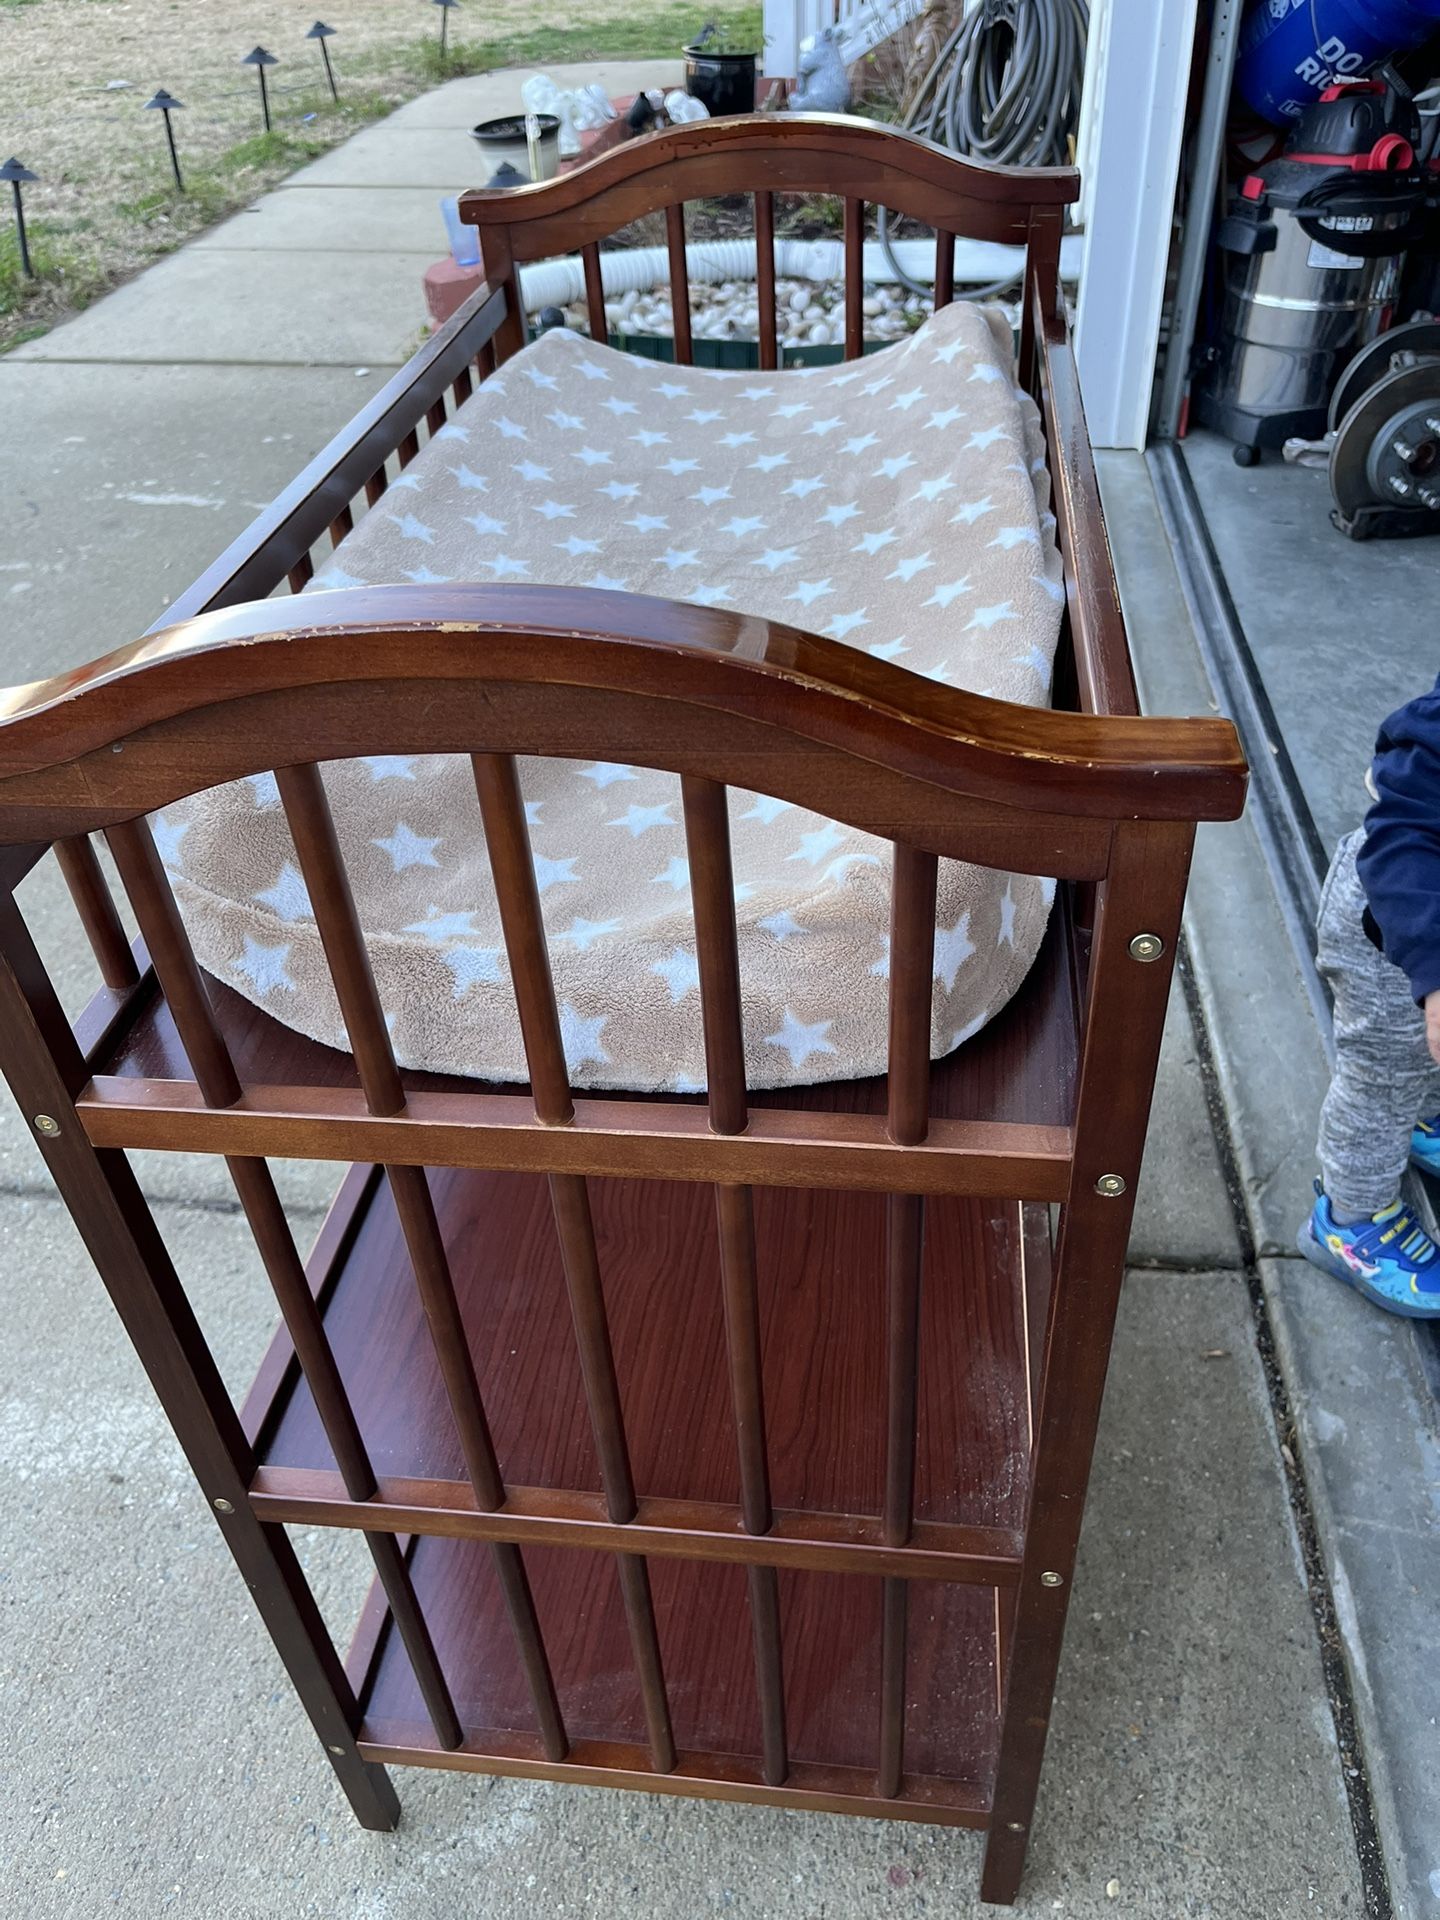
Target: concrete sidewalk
(157, 1758)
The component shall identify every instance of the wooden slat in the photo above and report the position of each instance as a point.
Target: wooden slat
(821, 1789)
(712, 887)
(661, 1528)
(376, 486)
(679, 283)
(302, 572)
(944, 269)
(184, 989)
(342, 524)
(643, 1138)
(854, 278)
(462, 386)
(435, 416)
(317, 847)
(408, 448)
(595, 293)
(512, 867)
(912, 955)
(765, 279)
(98, 916)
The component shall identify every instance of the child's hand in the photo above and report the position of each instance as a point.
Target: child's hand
(1432, 1024)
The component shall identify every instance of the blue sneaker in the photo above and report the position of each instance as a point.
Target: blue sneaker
(1391, 1260)
(1425, 1146)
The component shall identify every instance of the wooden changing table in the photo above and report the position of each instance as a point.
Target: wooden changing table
(732, 1446)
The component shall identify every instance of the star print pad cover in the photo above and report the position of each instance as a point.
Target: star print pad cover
(897, 504)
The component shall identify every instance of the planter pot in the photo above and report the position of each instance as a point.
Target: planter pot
(722, 82)
(504, 140)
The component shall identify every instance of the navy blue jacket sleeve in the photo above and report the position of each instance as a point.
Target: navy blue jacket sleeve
(1399, 863)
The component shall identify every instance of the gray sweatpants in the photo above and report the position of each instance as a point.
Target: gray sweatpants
(1385, 1079)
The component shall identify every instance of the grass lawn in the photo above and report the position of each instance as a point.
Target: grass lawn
(105, 204)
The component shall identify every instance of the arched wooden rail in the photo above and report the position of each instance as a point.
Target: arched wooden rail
(1047, 1107)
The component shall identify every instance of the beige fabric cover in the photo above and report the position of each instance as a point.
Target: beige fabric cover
(898, 504)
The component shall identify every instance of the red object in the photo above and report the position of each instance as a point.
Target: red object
(448, 287)
(1254, 188)
(1391, 153)
(1339, 88)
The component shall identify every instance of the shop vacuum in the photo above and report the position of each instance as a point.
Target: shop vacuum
(1311, 252)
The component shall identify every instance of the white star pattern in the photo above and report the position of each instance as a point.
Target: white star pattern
(641, 819)
(814, 846)
(950, 592)
(471, 967)
(586, 932)
(1006, 935)
(167, 834)
(552, 873)
(812, 910)
(581, 1038)
(288, 897)
(800, 1041)
(681, 973)
(783, 925)
(439, 926)
(953, 947)
(264, 967)
(407, 849)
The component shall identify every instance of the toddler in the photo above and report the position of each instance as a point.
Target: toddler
(1379, 947)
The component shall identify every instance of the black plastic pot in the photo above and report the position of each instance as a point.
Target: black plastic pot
(721, 82)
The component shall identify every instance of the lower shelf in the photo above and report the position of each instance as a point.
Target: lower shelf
(831, 1639)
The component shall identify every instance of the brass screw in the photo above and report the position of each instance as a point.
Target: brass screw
(224, 1506)
(1110, 1185)
(1052, 1579)
(47, 1124)
(1016, 1826)
(1146, 946)
(339, 1750)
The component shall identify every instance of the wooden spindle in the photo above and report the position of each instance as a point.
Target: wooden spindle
(512, 866)
(485, 361)
(944, 269)
(912, 959)
(595, 293)
(407, 449)
(98, 916)
(317, 848)
(190, 1006)
(435, 416)
(343, 523)
(302, 572)
(854, 278)
(712, 889)
(679, 284)
(765, 280)
(462, 387)
(376, 485)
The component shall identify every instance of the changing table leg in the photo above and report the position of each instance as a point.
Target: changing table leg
(44, 1068)
(1143, 892)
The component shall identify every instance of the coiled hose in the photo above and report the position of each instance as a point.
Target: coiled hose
(1005, 87)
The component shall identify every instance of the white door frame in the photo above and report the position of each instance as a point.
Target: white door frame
(1133, 124)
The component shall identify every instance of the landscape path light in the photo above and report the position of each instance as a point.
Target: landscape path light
(17, 173)
(322, 33)
(260, 60)
(167, 104)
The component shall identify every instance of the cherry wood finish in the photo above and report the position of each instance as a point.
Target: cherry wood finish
(731, 1446)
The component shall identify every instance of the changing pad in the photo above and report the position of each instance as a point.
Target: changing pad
(898, 504)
